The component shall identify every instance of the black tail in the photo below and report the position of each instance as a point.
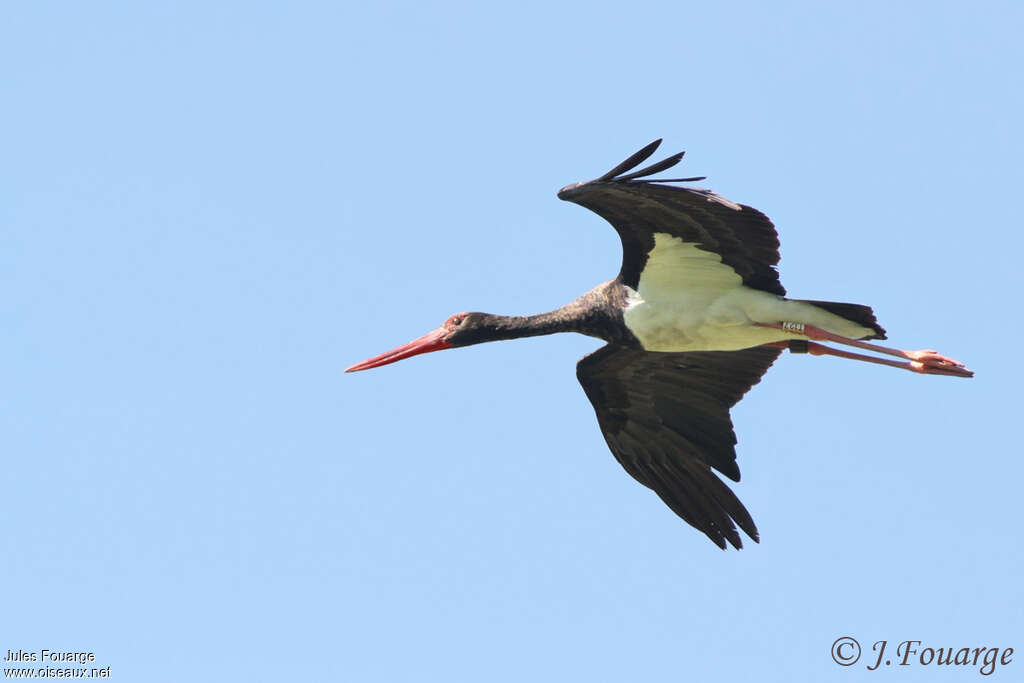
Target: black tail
(855, 313)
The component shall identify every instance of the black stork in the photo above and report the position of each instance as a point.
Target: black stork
(693, 320)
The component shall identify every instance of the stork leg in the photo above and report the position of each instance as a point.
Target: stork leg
(924, 361)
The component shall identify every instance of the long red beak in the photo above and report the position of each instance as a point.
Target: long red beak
(431, 341)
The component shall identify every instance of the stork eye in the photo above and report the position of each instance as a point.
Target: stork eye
(456, 320)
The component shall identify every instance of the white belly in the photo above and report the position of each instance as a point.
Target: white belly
(688, 300)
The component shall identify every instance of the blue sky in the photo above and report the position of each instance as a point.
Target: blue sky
(210, 210)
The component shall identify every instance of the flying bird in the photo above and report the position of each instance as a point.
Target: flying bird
(693, 320)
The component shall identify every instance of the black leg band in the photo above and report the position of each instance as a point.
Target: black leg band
(798, 346)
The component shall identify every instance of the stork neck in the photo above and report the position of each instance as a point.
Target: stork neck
(516, 326)
(597, 313)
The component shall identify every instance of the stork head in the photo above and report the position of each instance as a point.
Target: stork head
(461, 329)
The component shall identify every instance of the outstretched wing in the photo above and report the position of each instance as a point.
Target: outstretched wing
(639, 207)
(665, 417)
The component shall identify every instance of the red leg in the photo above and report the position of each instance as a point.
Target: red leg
(925, 361)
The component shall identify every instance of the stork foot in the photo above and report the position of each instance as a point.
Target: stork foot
(929, 362)
(932, 357)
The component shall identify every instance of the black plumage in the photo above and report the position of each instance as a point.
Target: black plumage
(665, 417)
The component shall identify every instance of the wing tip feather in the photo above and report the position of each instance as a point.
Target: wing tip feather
(619, 173)
(633, 160)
